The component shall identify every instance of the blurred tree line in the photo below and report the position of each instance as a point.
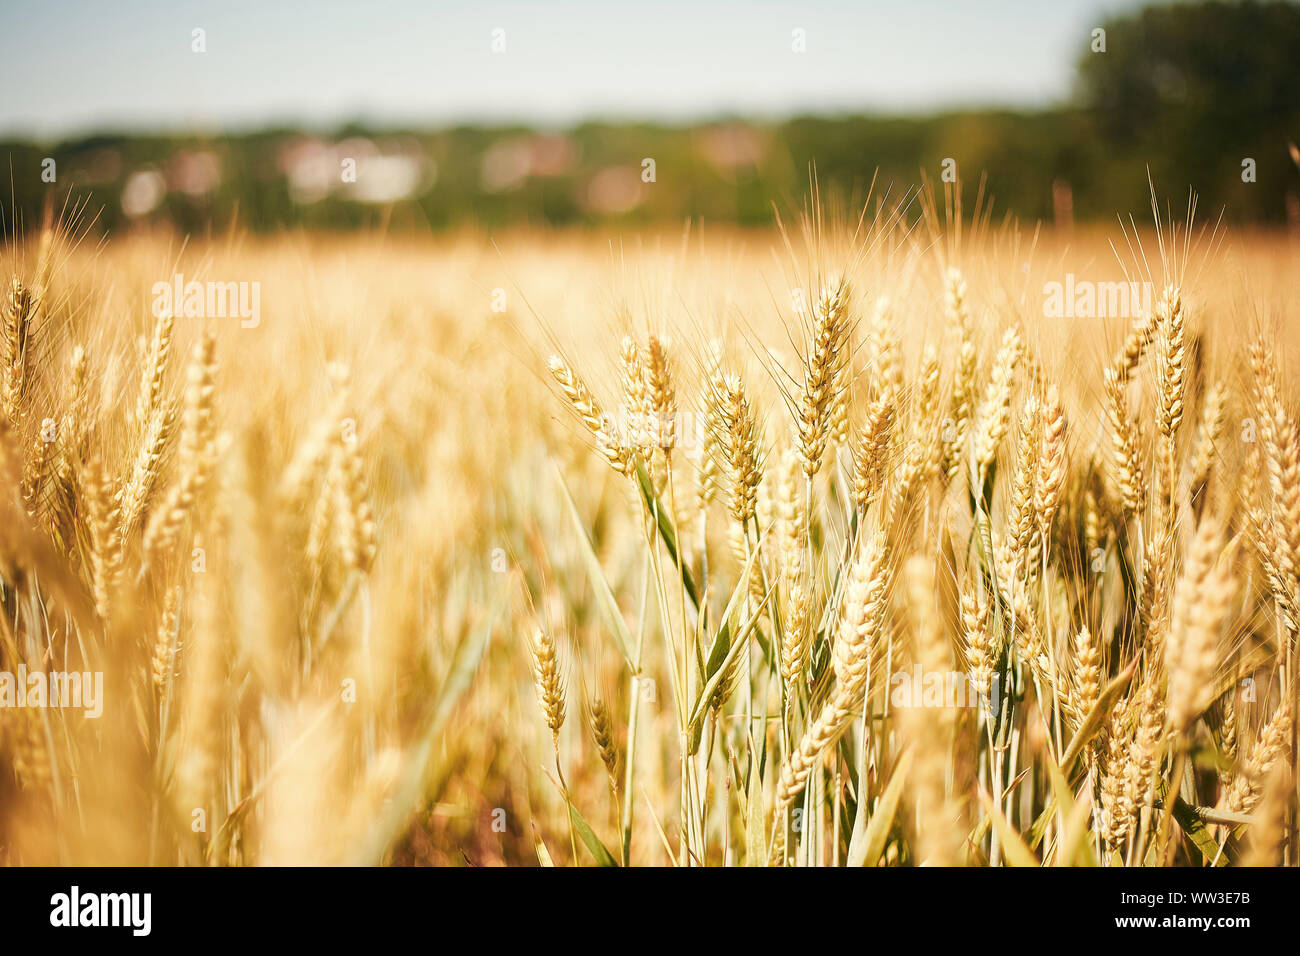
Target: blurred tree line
(1203, 95)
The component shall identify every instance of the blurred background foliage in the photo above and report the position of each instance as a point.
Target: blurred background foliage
(1186, 91)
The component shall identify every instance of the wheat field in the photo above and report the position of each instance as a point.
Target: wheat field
(823, 545)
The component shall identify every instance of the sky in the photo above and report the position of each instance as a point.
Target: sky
(69, 67)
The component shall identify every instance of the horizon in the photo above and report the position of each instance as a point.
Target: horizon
(381, 128)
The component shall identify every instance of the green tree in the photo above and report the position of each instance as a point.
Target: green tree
(1193, 89)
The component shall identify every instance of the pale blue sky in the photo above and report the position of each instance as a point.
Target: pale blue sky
(83, 65)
